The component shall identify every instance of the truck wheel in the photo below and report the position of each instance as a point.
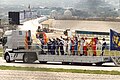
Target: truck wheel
(7, 58)
(25, 58)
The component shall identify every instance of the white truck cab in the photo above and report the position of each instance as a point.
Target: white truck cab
(12, 40)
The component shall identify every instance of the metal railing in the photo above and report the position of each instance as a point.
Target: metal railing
(64, 50)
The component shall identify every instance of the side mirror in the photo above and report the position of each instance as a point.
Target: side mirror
(1, 40)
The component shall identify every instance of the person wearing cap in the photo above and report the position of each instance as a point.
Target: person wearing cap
(103, 46)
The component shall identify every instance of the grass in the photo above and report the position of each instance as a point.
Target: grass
(60, 70)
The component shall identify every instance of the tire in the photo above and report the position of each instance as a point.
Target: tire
(7, 58)
(25, 58)
(29, 58)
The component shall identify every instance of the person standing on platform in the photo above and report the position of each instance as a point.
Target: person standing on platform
(94, 42)
(103, 46)
(29, 39)
(61, 47)
(72, 47)
(54, 46)
(69, 46)
(98, 44)
(81, 46)
(49, 44)
(65, 46)
(76, 46)
(85, 47)
(57, 46)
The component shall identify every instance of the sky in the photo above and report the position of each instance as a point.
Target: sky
(63, 3)
(39, 2)
(45, 3)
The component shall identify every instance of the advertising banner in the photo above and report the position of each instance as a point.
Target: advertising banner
(114, 40)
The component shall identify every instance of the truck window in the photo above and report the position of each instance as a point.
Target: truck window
(4, 41)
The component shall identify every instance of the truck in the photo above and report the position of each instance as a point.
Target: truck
(19, 45)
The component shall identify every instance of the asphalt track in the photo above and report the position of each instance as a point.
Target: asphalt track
(39, 75)
(106, 66)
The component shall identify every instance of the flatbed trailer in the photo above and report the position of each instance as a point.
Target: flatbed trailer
(30, 56)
